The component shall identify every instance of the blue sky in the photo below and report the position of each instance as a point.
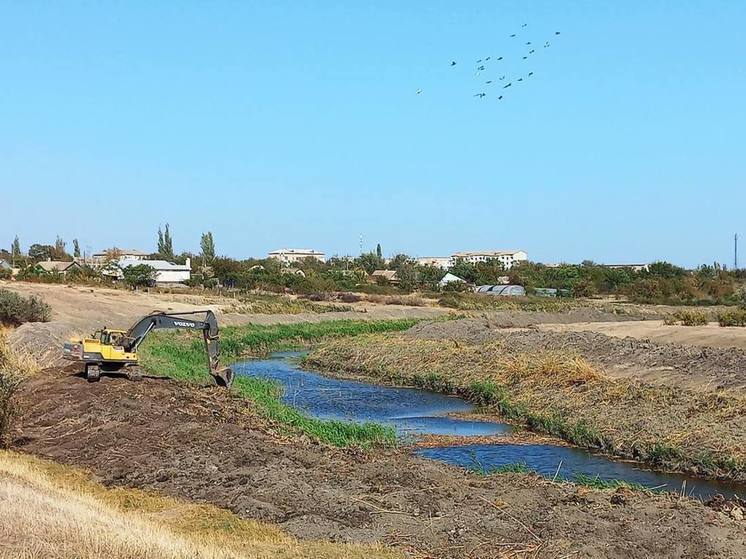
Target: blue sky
(279, 124)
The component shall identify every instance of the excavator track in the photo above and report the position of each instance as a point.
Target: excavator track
(92, 373)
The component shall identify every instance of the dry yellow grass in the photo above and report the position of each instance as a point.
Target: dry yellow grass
(21, 364)
(48, 510)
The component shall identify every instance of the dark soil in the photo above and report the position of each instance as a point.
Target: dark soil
(663, 363)
(204, 445)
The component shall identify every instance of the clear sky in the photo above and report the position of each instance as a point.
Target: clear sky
(298, 124)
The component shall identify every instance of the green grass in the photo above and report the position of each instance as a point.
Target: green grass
(598, 483)
(182, 356)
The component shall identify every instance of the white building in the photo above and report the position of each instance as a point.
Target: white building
(100, 258)
(165, 272)
(506, 257)
(292, 255)
(442, 262)
(450, 278)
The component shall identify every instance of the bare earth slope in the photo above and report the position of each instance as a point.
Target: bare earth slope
(691, 366)
(204, 445)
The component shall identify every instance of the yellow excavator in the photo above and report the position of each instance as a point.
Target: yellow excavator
(116, 350)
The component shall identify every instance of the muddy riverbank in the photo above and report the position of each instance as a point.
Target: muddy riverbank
(204, 445)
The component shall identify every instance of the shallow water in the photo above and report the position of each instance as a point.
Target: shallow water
(416, 412)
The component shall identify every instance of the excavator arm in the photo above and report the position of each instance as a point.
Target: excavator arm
(197, 320)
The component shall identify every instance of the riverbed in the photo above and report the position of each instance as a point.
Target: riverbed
(415, 412)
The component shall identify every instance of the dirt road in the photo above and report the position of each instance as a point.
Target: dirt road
(204, 445)
(711, 335)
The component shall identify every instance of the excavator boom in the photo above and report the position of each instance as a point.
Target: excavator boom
(206, 322)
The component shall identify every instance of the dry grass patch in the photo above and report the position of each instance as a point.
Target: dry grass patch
(48, 510)
(559, 393)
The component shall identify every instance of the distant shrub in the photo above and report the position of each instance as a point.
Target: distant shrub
(5, 274)
(16, 309)
(686, 318)
(733, 317)
(411, 300)
(348, 297)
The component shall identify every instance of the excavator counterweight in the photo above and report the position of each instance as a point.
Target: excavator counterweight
(116, 350)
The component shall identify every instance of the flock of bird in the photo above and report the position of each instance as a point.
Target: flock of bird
(483, 67)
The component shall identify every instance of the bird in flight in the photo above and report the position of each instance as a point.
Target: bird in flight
(486, 59)
(502, 78)
(530, 73)
(532, 51)
(524, 25)
(528, 43)
(418, 92)
(488, 81)
(500, 58)
(556, 32)
(480, 68)
(478, 61)
(480, 95)
(525, 57)
(546, 44)
(500, 97)
(520, 79)
(513, 35)
(453, 62)
(506, 86)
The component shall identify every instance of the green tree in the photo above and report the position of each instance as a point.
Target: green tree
(141, 275)
(370, 262)
(76, 248)
(207, 244)
(58, 250)
(15, 250)
(37, 252)
(165, 243)
(407, 276)
(399, 260)
(379, 252)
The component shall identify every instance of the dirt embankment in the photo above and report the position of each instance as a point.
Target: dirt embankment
(204, 445)
(79, 310)
(682, 365)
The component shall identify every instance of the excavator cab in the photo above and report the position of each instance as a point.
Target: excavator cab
(116, 350)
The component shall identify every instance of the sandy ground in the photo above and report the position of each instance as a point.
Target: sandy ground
(712, 335)
(203, 444)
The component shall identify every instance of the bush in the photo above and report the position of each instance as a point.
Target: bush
(16, 309)
(687, 318)
(141, 275)
(733, 317)
(5, 274)
(348, 297)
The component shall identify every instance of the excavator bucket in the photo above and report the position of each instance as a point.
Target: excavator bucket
(223, 377)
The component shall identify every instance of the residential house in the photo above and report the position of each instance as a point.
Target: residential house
(165, 272)
(450, 278)
(289, 256)
(57, 266)
(101, 258)
(386, 276)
